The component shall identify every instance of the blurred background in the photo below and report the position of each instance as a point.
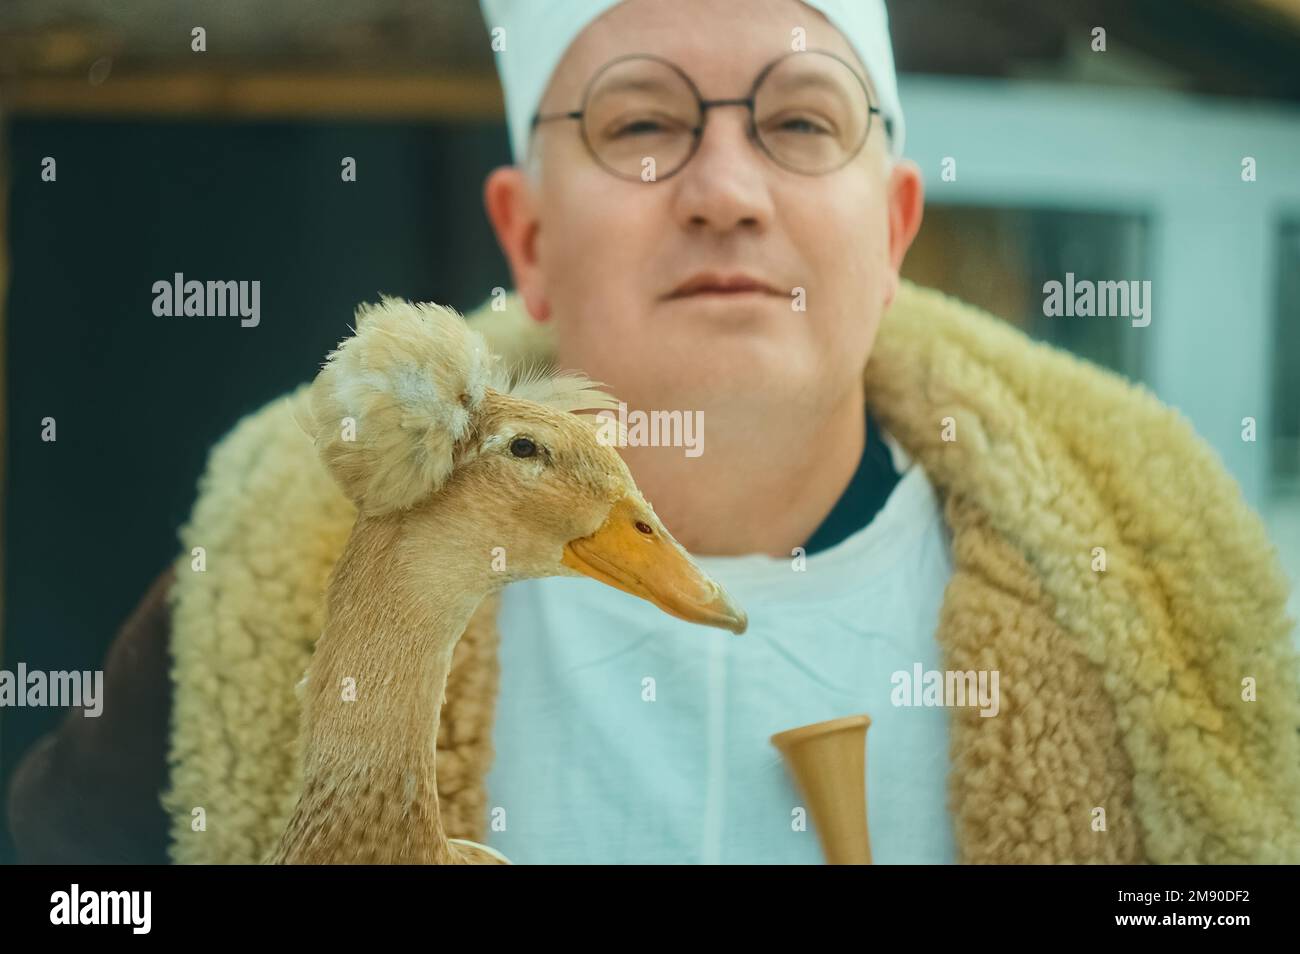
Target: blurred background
(1042, 154)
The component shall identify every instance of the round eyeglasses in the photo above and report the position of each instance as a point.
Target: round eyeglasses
(642, 118)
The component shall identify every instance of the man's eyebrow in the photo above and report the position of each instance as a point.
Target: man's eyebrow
(806, 79)
(634, 84)
(803, 79)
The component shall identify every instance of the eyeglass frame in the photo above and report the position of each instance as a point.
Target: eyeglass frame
(704, 105)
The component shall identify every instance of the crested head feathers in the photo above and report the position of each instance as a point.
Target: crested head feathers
(391, 403)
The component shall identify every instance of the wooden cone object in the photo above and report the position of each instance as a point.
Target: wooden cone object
(828, 761)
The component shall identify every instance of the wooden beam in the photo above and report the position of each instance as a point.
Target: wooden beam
(260, 95)
(1287, 8)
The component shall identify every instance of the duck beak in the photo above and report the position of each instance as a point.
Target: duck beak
(634, 553)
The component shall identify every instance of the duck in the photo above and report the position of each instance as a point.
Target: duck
(467, 475)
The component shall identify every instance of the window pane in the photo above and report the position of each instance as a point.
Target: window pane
(1000, 259)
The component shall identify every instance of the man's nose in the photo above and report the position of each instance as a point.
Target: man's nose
(725, 184)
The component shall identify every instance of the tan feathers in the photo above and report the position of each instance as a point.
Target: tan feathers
(391, 403)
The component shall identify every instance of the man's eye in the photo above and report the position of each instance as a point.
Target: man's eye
(638, 127)
(645, 126)
(802, 124)
(523, 447)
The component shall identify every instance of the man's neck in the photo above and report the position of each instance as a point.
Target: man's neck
(761, 485)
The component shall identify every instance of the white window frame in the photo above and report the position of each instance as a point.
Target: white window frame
(1175, 159)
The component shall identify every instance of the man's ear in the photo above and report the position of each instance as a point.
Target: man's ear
(906, 208)
(512, 208)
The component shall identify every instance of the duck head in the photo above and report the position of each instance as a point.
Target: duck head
(415, 418)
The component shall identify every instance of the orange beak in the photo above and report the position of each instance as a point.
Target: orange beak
(634, 553)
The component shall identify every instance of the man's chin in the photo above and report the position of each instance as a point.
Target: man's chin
(734, 374)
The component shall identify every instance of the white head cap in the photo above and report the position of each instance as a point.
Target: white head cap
(538, 32)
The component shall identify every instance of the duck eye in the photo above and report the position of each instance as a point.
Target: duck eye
(644, 527)
(523, 447)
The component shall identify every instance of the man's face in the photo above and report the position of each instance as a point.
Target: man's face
(605, 254)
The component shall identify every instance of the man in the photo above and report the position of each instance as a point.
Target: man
(710, 216)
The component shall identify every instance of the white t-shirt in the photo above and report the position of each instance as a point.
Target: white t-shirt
(626, 736)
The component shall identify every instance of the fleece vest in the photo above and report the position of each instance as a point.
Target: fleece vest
(1104, 564)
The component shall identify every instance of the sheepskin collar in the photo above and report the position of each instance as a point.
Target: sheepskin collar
(1104, 564)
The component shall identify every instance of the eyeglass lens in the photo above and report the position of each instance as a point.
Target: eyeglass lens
(811, 115)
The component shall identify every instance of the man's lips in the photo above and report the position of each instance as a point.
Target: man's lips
(714, 283)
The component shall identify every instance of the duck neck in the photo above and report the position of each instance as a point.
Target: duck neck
(374, 694)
